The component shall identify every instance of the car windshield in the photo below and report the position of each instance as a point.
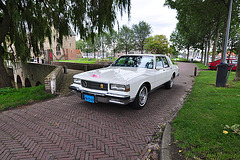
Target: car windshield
(135, 61)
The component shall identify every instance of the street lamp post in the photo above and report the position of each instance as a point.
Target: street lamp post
(227, 32)
(222, 69)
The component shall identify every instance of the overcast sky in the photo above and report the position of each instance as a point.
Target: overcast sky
(161, 18)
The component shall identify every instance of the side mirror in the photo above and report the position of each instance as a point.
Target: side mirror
(159, 67)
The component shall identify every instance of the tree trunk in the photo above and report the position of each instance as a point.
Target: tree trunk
(4, 25)
(237, 75)
(208, 50)
(188, 53)
(114, 54)
(4, 78)
(215, 42)
(205, 54)
(202, 52)
(141, 48)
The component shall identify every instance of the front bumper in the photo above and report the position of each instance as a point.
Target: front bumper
(101, 97)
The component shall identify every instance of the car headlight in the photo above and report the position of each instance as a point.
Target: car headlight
(77, 80)
(120, 87)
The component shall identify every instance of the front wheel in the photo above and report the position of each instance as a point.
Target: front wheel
(169, 84)
(141, 98)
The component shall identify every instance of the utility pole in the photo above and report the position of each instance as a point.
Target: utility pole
(227, 32)
(222, 69)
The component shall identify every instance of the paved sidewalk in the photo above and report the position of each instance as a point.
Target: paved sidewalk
(69, 128)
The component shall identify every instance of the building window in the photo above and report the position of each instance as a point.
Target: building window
(58, 49)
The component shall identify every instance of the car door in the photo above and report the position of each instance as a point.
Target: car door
(167, 69)
(160, 71)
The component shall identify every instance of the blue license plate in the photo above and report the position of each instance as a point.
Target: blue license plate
(89, 98)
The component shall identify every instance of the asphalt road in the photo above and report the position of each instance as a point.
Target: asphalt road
(69, 128)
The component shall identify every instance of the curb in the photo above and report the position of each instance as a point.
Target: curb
(166, 139)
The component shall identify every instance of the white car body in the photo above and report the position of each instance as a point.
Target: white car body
(100, 84)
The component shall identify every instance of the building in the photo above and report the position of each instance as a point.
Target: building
(57, 52)
(232, 56)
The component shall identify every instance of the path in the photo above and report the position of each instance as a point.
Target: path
(69, 128)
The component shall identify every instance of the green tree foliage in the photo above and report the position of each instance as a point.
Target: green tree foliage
(235, 39)
(157, 44)
(112, 39)
(25, 24)
(126, 39)
(177, 41)
(81, 44)
(98, 45)
(142, 30)
(173, 51)
(202, 20)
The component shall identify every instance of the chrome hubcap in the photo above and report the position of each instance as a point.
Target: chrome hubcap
(143, 95)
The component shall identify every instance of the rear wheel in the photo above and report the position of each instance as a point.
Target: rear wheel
(169, 84)
(141, 98)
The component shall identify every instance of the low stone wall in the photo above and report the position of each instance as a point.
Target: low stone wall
(53, 80)
(82, 66)
(33, 72)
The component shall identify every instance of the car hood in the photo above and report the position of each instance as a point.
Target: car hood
(120, 75)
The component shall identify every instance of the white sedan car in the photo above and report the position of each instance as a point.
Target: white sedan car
(127, 81)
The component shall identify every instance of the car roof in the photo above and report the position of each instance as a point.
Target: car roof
(144, 55)
(226, 59)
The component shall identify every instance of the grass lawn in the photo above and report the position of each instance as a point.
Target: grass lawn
(201, 66)
(80, 60)
(198, 128)
(11, 97)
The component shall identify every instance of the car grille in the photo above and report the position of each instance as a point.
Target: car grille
(94, 85)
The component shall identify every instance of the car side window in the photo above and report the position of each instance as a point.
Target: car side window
(159, 62)
(234, 61)
(120, 62)
(165, 62)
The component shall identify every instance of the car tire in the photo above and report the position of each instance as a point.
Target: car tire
(141, 99)
(169, 84)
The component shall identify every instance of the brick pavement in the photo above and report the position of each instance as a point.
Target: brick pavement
(69, 128)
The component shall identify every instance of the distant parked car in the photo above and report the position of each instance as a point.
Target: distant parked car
(213, 65)
(128, 80)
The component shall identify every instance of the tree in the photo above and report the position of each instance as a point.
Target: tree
(203, 21)
(126, 39)
(142, 30)
(112, 39)
(90, 46)
(26, 24)
(177, 40)
(157, 44)
(173, 51)
(237, 76)
(236, 36)
(80, 44)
